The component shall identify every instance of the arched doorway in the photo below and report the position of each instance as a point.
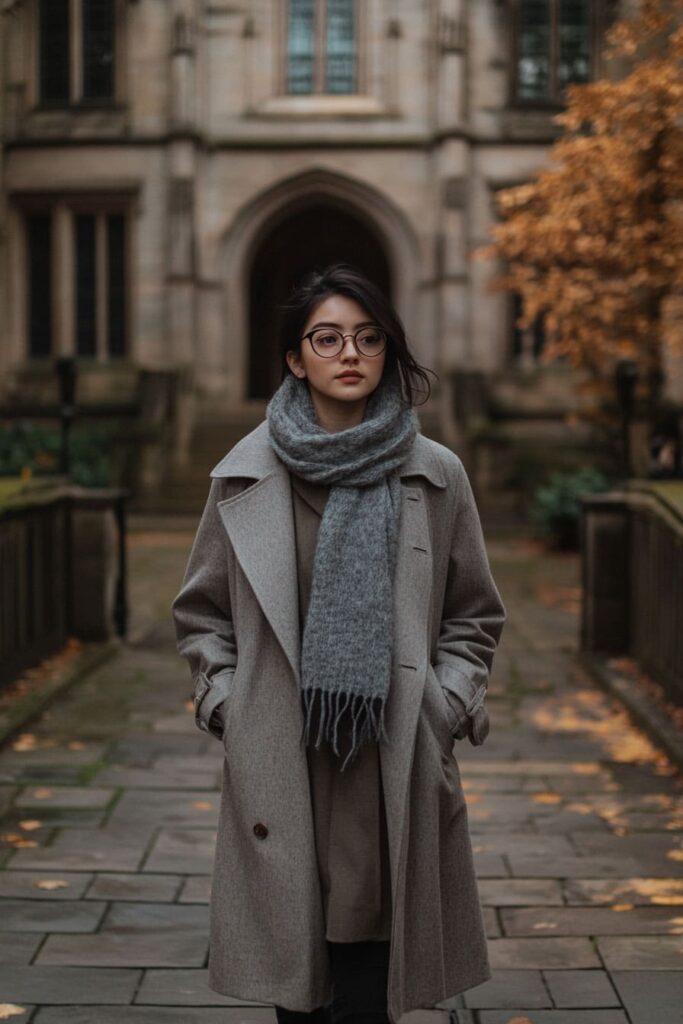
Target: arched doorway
(309, 238)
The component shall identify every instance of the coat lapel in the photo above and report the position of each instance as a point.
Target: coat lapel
(260, 523)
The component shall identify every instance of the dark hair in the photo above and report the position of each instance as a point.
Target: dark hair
(346, 279)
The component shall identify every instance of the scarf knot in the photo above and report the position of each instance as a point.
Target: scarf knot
(348, 637)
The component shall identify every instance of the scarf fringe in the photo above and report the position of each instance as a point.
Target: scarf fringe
(332, 705)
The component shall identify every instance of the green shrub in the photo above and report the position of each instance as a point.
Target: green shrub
(37, 448)
(556, 510)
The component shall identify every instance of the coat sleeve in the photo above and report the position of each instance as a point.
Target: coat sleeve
(203, 620)
(472, 619)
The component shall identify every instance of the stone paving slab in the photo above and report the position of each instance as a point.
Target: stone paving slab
(651, 997)
(136, 935)
(579, 989)
(158, 777)
(509, 988)
(642, 952)
(51, 915)
(489, 865)
(196, 889)
(573, 867)
(77, 985)
(67, 797)
(541, 953)
(520, 892)
(524, 844)
(182, 988)
(175, 807)
(152, 1015)
(182, 851)
(87, 850)
(524, 1016)
(65, 885)
(143, 888)
(621, 920)
(18, 948)
(638, 891)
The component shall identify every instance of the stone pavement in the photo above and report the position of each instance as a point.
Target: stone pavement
(109, 808)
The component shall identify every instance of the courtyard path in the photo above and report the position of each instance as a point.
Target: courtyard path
(109, 805)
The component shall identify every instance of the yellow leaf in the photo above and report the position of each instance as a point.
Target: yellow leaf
(619, 907)
(8, 1010)
(30, 824)
(202, 805)
(51, 883)
(42, 793)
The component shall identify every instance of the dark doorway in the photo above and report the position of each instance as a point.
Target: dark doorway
(308, 239)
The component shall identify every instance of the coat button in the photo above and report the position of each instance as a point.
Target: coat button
(260, 830)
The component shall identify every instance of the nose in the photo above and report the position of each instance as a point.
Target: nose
(348, 348)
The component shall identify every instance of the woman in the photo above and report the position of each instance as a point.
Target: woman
(340, 620)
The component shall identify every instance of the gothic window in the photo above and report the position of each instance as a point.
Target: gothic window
(555, 45)
(98, 297)
(76, 48)
(321, 47)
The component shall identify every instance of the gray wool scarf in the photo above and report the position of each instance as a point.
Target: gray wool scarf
(348, 636)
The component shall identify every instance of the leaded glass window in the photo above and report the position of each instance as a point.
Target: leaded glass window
(98, 49)
(321, 47)
(554, 44)
(54, 48)
(77, 51)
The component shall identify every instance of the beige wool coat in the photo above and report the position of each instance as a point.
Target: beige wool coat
(237, 624)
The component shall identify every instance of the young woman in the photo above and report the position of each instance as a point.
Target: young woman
(340, 621)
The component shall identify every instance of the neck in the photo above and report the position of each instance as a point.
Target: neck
(333, 416)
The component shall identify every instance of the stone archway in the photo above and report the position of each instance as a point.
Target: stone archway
(309, 238)
(365, 209)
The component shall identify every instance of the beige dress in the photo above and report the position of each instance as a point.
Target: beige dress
(348, 807)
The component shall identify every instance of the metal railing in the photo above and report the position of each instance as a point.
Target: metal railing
(632, 568)
(39, 574)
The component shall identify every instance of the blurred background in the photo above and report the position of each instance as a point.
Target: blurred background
(170, 169)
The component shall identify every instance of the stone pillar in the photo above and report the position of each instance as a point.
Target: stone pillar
(605, 573)
(94, 566)
(181, 270)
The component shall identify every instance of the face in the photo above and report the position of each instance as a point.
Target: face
(325, 375)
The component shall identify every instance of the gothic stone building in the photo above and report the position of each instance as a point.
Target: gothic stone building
(171, 167)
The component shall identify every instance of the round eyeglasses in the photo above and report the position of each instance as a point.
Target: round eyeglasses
(328, 342)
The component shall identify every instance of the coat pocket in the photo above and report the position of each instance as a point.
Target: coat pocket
(209, 697)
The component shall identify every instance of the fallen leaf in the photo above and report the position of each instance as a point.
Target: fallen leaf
(42, 793)
(546, 798)
(202, 805)
(26, 741)
(30, 824)
(51, 883)
(23, 844)
(76, 745)
(619, 907)
(8, 1010)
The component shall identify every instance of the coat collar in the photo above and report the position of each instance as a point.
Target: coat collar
(253, 457)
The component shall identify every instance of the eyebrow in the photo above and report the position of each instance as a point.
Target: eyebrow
(329, 323)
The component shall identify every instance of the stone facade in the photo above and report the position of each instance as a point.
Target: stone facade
(230, 187)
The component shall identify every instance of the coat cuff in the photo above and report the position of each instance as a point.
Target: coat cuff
(472, 697)
(208, 695)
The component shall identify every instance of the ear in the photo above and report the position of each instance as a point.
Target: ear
(295, 364)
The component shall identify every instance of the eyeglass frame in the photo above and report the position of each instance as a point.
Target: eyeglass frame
(344, 337)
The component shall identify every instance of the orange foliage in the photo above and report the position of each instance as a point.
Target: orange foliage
(594, 245)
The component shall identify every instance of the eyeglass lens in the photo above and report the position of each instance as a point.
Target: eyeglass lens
(327, 341)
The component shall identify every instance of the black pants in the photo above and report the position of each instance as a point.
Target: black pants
(359, 991)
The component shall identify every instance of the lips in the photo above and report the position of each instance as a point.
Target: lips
(349, 376)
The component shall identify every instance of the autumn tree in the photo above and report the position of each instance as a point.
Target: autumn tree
(594, 244)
